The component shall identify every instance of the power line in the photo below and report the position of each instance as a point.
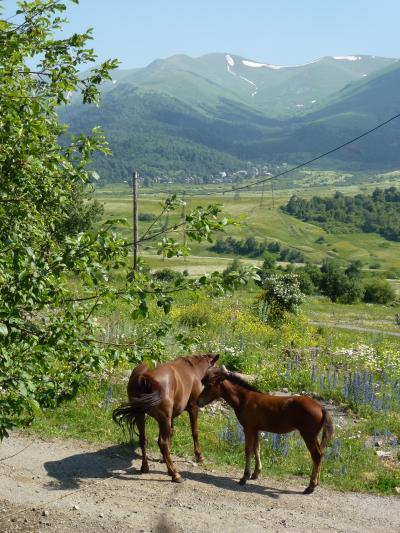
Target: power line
(300, 165)
(305, 163)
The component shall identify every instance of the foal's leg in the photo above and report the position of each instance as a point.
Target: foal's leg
(193, 411)
(249, 448)
(316, 455)
(256, 450)
(164, 440)
(140, 422)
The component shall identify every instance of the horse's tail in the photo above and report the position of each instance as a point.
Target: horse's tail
(327, 425)
(144, 393)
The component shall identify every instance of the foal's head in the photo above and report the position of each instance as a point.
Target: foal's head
(212, 385)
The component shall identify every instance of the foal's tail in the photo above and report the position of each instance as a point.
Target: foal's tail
(327, 425)
(144, 393)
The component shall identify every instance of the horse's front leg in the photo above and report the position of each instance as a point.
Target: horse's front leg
(140, 422)
(164, 439)
(249, 448)
(193, 411)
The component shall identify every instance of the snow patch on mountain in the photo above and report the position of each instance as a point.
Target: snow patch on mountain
(348, 58)
(230, 60)
(230, 63)
(248, 81)
(254, 64)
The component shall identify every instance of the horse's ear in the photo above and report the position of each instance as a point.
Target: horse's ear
(214, 360)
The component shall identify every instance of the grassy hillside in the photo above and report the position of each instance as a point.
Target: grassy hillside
(263, 221)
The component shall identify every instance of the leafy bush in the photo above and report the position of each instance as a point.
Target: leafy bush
(167, 275)
(195, 316)
(282, 295)
(146, 217)
(379, 291)
(339, 286)
(234, 266)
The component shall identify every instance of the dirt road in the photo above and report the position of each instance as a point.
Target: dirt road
(70, 486)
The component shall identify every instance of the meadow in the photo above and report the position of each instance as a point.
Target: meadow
(357, 373)
(262, 218)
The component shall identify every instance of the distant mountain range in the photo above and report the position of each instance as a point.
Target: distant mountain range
(185, 116)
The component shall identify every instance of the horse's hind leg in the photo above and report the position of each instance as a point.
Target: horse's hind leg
(164, 439)
(140, 422)
(249, 448)
(256, 450)
(316, 455)
(193, 411)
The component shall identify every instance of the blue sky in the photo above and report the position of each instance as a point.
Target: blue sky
(274, 31)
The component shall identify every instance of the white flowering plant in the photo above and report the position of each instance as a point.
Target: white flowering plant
(282, 295)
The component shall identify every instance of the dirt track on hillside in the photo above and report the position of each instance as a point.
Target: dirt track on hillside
(70, 486)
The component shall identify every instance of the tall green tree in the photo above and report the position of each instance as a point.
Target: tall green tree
(48, 337)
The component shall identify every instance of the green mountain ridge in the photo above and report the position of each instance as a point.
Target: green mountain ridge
(215, 113)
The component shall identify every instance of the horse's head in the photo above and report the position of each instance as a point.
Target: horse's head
(212, 359)
(212, 385)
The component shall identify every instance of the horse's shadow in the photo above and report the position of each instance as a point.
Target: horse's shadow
(116, 461)
(228, 483)
(222, 482)
(68, 473)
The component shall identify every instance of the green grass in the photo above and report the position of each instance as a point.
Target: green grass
(351, 464)
(231, 326)
(374, 316)
(264, 221)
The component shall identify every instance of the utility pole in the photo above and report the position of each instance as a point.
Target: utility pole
(272, 191)
(183, 217)
(135, 219)
(262, 194)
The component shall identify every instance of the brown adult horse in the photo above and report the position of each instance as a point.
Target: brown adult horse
(164, 393)
(257, 411)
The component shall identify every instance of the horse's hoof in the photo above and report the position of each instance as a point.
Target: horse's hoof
(145, 469)
(242, 481)
(200, 459)
(177, 479)
(254, 476)
(309, 490)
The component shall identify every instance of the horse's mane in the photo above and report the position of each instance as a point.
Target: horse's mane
(196, 357)
(237, 380)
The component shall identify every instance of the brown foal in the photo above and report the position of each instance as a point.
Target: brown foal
(164, 393)
(257, 411)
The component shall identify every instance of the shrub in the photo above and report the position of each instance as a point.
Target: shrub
(339, 286)
(282, 295)
(167, 274)
(234, 266)
(195, 316)
(375, 266)
(379, 291)
(305, 282)
(146, 217)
